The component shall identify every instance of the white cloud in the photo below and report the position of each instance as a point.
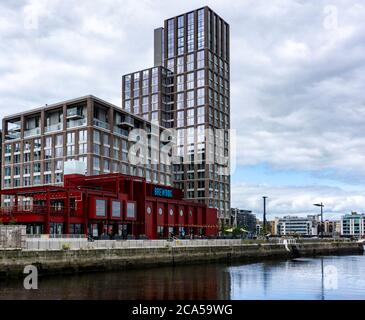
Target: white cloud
(294, 200)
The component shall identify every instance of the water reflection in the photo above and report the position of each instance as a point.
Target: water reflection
(293, 279)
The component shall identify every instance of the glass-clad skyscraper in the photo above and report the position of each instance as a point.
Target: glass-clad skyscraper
(192, 56)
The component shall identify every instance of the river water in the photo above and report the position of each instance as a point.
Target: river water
(330, 277)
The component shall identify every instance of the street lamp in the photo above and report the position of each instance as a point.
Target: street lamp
(320, 205)
(264, 218)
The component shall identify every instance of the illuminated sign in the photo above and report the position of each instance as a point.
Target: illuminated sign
(162, 192)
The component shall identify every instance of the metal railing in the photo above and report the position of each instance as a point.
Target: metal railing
(32, 132)
(54, 127)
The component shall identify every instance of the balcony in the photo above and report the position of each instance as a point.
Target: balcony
(12, 135)
(101, 124)
(32, 132)
(126, 122)
(54, 127)
(74, 114)
(72, 123)
(121, 132)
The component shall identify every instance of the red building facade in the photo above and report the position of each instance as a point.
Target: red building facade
(109, 205)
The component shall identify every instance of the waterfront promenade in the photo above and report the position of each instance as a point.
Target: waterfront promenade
(80, 255)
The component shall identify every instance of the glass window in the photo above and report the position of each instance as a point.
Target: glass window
(116, 209)
(100, 208)
(131, 210)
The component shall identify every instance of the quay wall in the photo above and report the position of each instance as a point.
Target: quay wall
(12, 262)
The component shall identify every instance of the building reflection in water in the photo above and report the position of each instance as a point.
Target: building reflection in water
(181, 283)
(304, 278)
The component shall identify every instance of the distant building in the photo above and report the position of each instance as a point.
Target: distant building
(353, 225)
(259, 226)
(274, 226)
(331, 228)
(243, 218)
(290, 225)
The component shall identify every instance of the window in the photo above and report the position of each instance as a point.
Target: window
(100, 208)
(180, 65)
(200, 59)
(96, 163)
(8, 148)
(200, 78)
(190, 117)
(180, 83)
(170, 38)
(180, 35)
(97, 138)
(131, 210)
(201, 96)
(82, 136)
(59, 165)
(180, 101)
(37, 167)
(48, 166)
(71, 138)
(7, 171)
(190, 99)
(116, 209)
(47, 179)
(190, 62)
(190, 81)
(190, 32)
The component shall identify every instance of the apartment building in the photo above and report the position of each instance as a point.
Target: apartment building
(193, 51)
(37, 143)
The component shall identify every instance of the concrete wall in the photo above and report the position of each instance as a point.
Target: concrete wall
(12, 263)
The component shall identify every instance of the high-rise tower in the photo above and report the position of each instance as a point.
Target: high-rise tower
(194, 48)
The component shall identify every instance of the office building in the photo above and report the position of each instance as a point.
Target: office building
(353, 225)
(292, 225)
(192, 55)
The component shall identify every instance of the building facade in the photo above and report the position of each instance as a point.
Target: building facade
(331, 228)
(244, 218)
(38, 142)
(193, 49)
(109, 205)
(292, 225)
(353, 225)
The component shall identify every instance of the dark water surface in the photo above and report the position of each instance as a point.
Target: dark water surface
(332, 277)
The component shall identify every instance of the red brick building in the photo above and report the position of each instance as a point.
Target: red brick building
(110, 204)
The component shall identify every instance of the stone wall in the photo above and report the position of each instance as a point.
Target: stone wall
(12, 262)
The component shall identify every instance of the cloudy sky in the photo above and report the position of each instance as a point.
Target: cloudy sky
(297, 84)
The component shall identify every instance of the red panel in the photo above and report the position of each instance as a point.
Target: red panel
(191, 216)
(182, 215)
(211, 222)
(199, 216)
(172, 215)
(161, 214)
(150, 221)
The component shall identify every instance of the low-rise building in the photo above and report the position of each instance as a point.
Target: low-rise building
(243, 218)
(293, 225)
(353, 225)
(331, 228)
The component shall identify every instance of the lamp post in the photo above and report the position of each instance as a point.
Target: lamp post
(320, 205)
(264, 219)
